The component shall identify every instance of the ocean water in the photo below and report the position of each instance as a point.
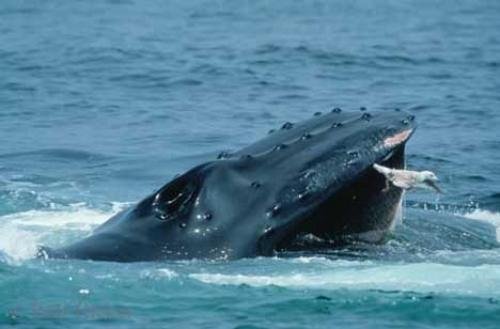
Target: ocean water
(101, 102)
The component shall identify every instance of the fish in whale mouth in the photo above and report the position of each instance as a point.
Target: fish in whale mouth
(312, 178)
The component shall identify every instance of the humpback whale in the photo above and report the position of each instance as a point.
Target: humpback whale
(312, 178)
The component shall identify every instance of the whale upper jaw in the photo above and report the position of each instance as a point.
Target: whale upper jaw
(314, 177)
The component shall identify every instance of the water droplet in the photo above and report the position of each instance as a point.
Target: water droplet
(287, 125)
(204, 216)
(161, 216)
(306, 136)
(268, 230)
(303, 195)
(310, 174)
(279, 147)
(274, 210)
(159, 213)
(182, 225)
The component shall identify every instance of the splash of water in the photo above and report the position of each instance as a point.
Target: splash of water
(22, 232)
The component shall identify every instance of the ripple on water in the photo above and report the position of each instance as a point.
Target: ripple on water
(105, 101)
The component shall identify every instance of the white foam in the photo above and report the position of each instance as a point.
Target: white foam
(487, 216)
(80, 218)
(17, 244)
(324, 261)
(158, 273)
(419, 277)
(22, 232)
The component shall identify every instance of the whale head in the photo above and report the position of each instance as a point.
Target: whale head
(312, 178)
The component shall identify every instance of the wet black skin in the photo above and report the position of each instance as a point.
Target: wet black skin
(313, 178)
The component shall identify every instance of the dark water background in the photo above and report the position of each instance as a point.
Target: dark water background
(101, 102)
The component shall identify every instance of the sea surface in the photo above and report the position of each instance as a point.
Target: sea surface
(102, 102)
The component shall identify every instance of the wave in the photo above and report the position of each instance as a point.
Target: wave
(490, 202)
(66, 154)
(423, 235)
(273, 53)
(486, 216)
(22, 232)
(325, 274)
(417, 277)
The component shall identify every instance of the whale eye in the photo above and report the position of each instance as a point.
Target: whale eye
(173, 199)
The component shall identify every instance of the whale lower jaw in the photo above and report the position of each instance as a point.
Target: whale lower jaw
(365, 210)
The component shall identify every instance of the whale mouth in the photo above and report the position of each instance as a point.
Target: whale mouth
(397, 139)
(364, 210)
(393, 142)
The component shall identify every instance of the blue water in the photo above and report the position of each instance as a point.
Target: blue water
(102, 102)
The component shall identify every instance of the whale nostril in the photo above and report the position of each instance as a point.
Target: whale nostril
(317, 114)
(366, 116)
(411, 117)
(362, 108)
(271, 131)
(336, 125)
(287, 125)
(173, 199)
(397, 109)
(246, 157)
(405, 122)
(274, 210)
(337, 110)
